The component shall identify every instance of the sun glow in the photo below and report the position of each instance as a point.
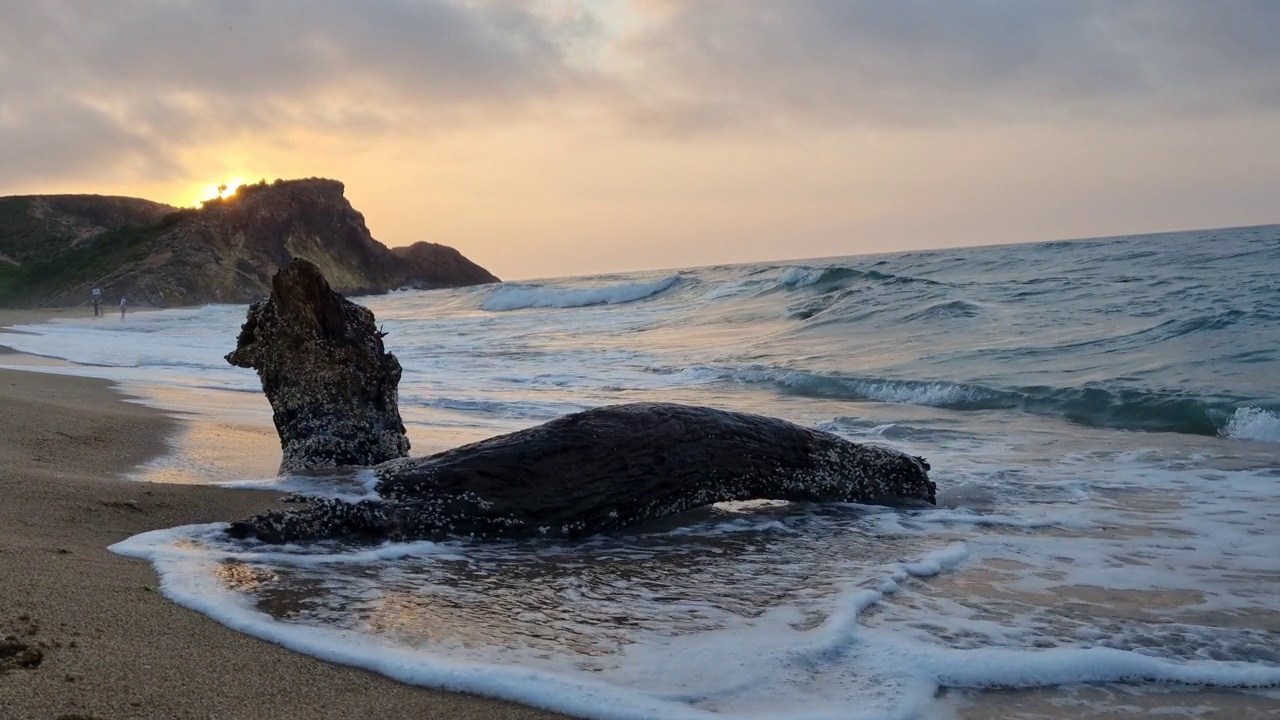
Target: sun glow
(209, 192)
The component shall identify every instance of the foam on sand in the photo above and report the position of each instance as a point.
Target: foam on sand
(679, 656)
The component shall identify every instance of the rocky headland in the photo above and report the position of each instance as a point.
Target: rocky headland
(55, 248)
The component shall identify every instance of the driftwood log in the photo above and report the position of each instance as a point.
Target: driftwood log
(333, 387)
(593, 471)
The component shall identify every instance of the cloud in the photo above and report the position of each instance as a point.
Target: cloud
(129, 82)
(52, 138)
(126, 86)
(926, 62)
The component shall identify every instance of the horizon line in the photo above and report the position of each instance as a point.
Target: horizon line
(1123, 236)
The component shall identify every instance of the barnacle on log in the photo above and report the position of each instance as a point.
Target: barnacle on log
(332, 385)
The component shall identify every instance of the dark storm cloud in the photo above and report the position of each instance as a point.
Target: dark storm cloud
(937, 61)
(87, 83)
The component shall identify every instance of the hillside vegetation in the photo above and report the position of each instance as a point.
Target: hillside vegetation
(55, 248)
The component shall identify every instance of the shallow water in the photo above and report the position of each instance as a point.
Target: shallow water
(1101, 417)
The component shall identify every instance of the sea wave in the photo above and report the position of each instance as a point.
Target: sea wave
(519, 297)
(529, 409)
(944, 310)
(803, 276)
(1251, 423)
(1122, 409)
(821, 304)
(1199, 323)
(912, 392)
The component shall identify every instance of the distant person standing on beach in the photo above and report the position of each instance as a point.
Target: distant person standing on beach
(97, 302)
(123, 303)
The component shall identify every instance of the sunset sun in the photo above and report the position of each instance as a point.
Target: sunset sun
(209, 192)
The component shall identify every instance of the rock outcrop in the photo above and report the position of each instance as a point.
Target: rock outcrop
(330, 381)
(332, 385)
(224, 252)
(431, 265)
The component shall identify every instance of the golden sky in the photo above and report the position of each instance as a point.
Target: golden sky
(555, 137)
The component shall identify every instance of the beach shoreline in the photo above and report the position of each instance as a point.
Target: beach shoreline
(11, 316)
(92, 636)
(111, 646)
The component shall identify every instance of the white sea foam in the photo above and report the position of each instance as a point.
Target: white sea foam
(930, 394)
(812, 659)
(1250, 423)
(637, 682)
(175, 347)
(349, 485)
(519, 297)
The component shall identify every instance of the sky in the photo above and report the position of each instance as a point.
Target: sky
(563, 137)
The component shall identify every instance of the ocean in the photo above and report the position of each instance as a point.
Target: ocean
(1102, 418)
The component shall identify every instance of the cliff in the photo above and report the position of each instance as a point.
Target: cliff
(433, 265)
(55, 248)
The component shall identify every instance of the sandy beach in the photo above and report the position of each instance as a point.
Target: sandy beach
(86, 635)
(10, 317)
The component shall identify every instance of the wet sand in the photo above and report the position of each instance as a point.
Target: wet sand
(9, 317)
(83, 632)
(1108, 701)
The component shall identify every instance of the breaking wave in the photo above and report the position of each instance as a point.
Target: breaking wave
(825, 277)
(520, 297)
(1123, 409)
(1251, 423)
(797, 277)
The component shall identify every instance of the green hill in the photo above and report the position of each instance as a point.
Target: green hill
(55, 248)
